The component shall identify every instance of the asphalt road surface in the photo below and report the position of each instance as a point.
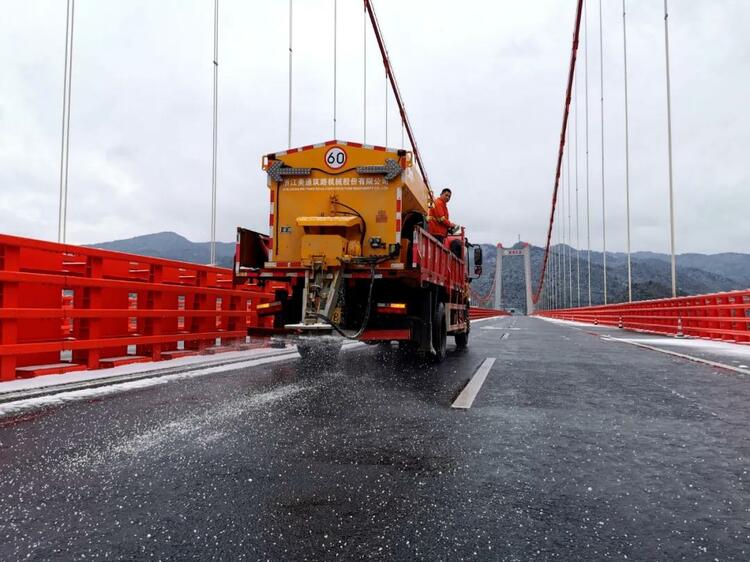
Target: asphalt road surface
(575, 448)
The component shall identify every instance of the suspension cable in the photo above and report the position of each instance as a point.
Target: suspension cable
(578, 232)
(571, 70)
(570, 231)
(564, 210)
(669, 138)
(62, 214)
(364, 75)
(604, 213)
(627, 150)
(588, 191)
(289, 132)
(386, 109)
(335, 61)
(561, 239)
(215, 132)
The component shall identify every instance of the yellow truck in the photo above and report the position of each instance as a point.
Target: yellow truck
(348, 254)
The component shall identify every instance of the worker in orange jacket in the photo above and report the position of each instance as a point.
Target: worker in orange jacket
(438, 221)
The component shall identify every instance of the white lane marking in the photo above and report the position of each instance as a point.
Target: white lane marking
(470, 391)
(681, 355)
(493, 328)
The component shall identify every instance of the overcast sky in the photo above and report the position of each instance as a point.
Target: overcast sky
(483, 83)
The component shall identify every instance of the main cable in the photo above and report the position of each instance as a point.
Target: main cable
(397, 93)
(566, 111)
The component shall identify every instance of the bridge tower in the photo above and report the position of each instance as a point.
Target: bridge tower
(503, 252)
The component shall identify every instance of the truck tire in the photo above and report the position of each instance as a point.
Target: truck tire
(439, 333)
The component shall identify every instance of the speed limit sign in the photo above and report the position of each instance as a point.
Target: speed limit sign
(335, 157)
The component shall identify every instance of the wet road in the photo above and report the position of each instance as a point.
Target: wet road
(575, 448)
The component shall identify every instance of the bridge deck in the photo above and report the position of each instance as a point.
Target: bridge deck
(574, 447)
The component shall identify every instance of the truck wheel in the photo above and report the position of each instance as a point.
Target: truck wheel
(439, 333)
(462, 340)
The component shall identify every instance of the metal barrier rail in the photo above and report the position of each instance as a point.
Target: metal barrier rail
(718, 316)
(65, 308)
(476, 313)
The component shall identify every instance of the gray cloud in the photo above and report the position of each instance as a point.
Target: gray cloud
(483, 84)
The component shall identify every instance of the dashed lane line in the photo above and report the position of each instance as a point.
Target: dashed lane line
(470, 391)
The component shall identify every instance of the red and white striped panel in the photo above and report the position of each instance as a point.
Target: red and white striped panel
(399, 195)
(271, 222)
(332, 143)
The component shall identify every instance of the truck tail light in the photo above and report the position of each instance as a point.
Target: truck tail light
(392, 307)
(266, 308)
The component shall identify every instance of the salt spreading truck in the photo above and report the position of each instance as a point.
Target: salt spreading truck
(348, 254)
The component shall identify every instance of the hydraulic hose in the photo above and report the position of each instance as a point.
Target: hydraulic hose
(365, 320)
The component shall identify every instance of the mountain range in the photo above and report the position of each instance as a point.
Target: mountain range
(651, 272)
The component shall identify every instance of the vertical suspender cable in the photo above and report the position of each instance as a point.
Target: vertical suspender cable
(386, 107)
(289, 134)
(669, 141)
(588, 198)
(627, 150)
(364, 75)
(62, 211)
(563, 291)
(215, 136)
(561, 250)
(553, 268)
(560, 257)
(570, 232)
(566, 238)
(601, 99)
(578, 232)
(335, 60)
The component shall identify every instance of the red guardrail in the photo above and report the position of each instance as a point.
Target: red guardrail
(476, 313)
(66, 308)
(719, 316)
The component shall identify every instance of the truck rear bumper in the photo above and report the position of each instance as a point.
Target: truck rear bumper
(386, 335)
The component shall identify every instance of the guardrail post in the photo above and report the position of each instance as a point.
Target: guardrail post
(151, 325)
(726, 315)
(10, 258)
(744, 312)
(89, 298)
(199, 300)
(233, 323)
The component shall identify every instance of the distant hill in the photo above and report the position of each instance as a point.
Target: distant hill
(696, 273)
(651, 274)
(171, 245)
